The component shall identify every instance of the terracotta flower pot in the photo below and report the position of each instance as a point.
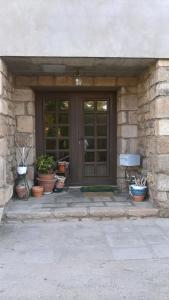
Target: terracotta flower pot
(46, 176)
(138, 198)
(61, 167)
(37, 191)
(48, 185)
(21, 191)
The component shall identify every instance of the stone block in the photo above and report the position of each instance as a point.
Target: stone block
(30, 107)
(122, 145)
(25, 124)
(132, 146)
(163, 182)
(128, 131)
(161, 163)
(162, 197)
(142, 213)
(5, 194)
(3, 126)
(23, 95)
(3, 68)
(1, 83)
(162, 63)
(132, 117)
(160, 107)
(162, 145)
(19, 108)
(125, 90)
(3, 107)
(122, 117)
(162, 89)
(128, 102)
(2, 171)
(162, 127)
(3, 147)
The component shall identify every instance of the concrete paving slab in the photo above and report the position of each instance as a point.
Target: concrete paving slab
(74, 260)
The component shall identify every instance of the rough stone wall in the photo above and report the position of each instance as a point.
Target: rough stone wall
(153, 130)
(25, 123)
(127, 124)
(7, 129)
(7, 126)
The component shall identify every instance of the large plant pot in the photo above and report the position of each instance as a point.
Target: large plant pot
(48, 185)
(37, 191)
(46, 176)
(138, 192)
(21, 170)
(21, 191)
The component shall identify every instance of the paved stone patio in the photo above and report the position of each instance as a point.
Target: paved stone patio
(82, 260)
(74, 204)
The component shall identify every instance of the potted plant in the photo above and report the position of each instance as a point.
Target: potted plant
(46, 176)
(138, 189)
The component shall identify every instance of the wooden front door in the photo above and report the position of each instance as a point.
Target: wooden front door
(79, 128)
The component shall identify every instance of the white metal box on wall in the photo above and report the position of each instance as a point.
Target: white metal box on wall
(129, 160)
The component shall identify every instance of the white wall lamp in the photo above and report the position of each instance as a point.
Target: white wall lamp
(78, 80)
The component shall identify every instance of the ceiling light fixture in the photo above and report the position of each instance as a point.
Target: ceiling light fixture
(78, 80)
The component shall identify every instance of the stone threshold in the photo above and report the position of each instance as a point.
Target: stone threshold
(79, 213)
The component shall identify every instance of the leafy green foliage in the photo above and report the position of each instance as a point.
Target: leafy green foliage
(45, 164)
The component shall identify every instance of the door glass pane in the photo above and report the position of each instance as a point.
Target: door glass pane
(90, 143)
(89, 131)
(62, 131)
(62, 105)
(50, 105)
(50, 119)
(102, 143)
(89, 118)
(89, 105)
(50, 144)
(102, 130)
(89, 170)
(50, 132)
(101, 156)
(63, 144)
(101, 105)
(89, 156)
(101, 119)
(63, 118)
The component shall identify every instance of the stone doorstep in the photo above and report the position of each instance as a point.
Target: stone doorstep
(79, 213)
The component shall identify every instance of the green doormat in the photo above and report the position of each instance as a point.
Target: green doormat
(99, 188)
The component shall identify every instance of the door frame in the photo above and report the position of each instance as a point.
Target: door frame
(74, 130)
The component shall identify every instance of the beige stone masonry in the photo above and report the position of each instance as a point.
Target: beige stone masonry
(128, 131)
(160, 107)
(163, 182)
(25, 124)
(162, 127)
(122, 117)
(23, 95)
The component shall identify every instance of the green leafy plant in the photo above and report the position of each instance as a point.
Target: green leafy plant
(45, 164)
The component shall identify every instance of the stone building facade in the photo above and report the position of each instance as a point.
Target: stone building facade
(142, 122)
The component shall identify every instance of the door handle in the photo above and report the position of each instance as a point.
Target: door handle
(85, 141)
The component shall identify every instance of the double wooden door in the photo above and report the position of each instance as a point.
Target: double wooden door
(79, 128)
